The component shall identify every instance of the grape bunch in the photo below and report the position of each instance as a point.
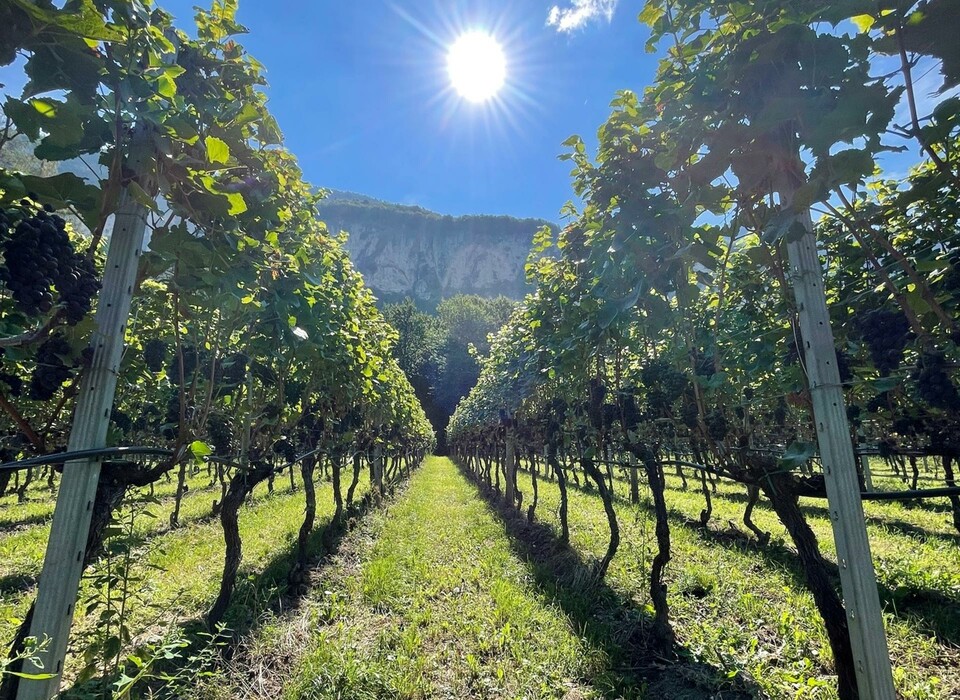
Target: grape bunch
(907, 425)
(147, 417)
(220, 432)
(154, 354)
(121, 420)
(78, 285)
(934, 384)
(235, 369)
(780, 414)
(704, 365)
(292, 391)
(880, 402)
(717, 426)
(886, 334)
(42, 267)
(284, 449)
(792, 353)
(845, 368)
(854, 413)
(51, 371)
(191, 358)
(13, 382)
(689, 414)
(951, 279)
(629, 410)
(667, 380)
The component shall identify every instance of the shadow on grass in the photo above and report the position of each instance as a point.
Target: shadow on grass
(12, 584)
(930, 611)
(256, 595)
(818, 507)
(912, 530)
(610, 621)
(10, 525)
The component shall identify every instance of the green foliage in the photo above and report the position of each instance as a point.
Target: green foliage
(261, 315)
(676, 261)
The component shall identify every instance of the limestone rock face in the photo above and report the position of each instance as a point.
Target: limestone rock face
(408, 251)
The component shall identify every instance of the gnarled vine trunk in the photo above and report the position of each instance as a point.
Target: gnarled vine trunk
(662, 630)
(778, 489)
(590, 469)
(240, 487)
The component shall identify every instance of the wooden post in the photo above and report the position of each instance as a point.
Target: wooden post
(865, 465)
(857, 577)
(376, 466)
(634, 480)
(63, 563)
(510, 465)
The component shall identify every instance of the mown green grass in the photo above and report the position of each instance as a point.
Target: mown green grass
(177, 571)
(743, 607)
(436, 604)
(439, 596)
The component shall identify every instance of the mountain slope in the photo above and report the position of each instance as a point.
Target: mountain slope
(409, 251)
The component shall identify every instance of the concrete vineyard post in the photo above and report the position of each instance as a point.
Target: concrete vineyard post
(857, 576)
(63, 563)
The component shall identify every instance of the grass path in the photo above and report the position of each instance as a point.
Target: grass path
(427, 600)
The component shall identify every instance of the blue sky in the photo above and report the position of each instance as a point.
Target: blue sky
(361, 92)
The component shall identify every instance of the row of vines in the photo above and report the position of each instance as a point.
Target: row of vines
(664, 333)
(252, 342)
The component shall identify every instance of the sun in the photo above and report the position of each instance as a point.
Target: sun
(476, 66)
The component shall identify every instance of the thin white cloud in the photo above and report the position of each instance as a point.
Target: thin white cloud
(573, 17)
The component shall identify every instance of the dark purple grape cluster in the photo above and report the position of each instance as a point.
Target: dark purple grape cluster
(78, 285)
(148, 417)
(235, 369)
(13, 383)
(689, 414)
(880, 402)
(854, 413)
(191, 358)
(41, 267)
(780, 414)
(792, 353)
(629, 410)
(154, 354)
(121, 420)
(934, 384)
(660, 373)
(171, 419)
(886, 334)
(292, 391)
(845, 368)
(51, 371)
(951, 280)
(705, 365)
(220, 432)
(717, 425)
(284, 449)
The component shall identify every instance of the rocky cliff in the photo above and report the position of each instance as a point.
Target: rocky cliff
(412, 252)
